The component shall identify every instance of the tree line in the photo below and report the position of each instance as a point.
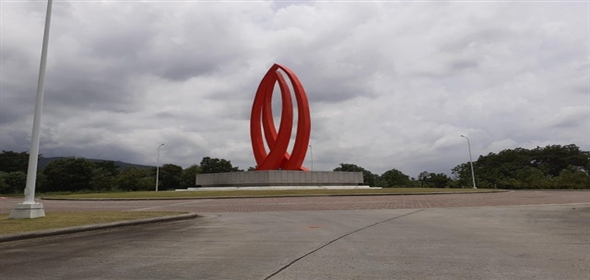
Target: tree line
(550, 167)
(394, 178)
(75, 174)
(553, 166)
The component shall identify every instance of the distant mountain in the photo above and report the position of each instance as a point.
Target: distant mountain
(43, 161)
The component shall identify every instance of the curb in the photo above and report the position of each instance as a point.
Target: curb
(60, 231)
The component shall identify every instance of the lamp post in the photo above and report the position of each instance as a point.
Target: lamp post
(470, 161)
(158, 166)
(311, 152)
(29, 208)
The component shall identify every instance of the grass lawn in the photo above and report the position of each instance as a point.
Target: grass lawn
(252, 193)
(63, 220)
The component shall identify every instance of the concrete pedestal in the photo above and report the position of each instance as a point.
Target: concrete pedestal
(280, 178)
(27, 211)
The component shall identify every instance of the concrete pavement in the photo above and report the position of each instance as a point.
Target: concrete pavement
(545, 240)
(68, 230)
(316, 203)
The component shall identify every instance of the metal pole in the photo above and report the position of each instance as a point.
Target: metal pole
(29, 208)
(158, 166)
(470, 161)
(35, 139)
(311, 152)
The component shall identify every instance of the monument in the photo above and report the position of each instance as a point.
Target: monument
(278, 157)
(276, 166)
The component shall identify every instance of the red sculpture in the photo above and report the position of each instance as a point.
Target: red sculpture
(278, 157)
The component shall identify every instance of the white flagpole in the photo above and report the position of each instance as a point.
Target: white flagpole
(29, 208)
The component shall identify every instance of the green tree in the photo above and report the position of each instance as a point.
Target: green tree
(494, 169)
(102, 180)
(17, 181)
(108, 166)
(12, 182)
(169, 176)
(68, 174)
(530, 178)
(572, 178)
(434, 180)
(41, 184)
(523, 168)
(215, 165)
(136, 179)
(188, 176)
(395, 178)
(11, 161)
(368, 177)
(104, 176)
(423, 178)
(3, 186)
(552, 159)
(439, 180)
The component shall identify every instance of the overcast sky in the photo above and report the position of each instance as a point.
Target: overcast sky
(390, 84)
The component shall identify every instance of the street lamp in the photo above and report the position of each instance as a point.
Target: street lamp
(470, 161)
(158, 166)
(29, 208)
(311, 152)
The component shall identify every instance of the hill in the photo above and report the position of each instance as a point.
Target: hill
(43, 161)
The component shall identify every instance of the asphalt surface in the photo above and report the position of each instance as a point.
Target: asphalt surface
(275, 204)
(514, 235)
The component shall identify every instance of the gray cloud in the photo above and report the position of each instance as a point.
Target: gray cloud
(390, 85)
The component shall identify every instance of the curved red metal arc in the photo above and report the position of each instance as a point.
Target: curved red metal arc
(303, 123)
(255, 125)
(280, 143)
(278, 157)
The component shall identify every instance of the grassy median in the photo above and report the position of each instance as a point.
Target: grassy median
(254, 193)
(73, 219)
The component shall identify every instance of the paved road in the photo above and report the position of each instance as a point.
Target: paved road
(544, 236)
(316, 203)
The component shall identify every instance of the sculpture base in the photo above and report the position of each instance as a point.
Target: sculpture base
(254, 188)
(278, 178)
(27, 211)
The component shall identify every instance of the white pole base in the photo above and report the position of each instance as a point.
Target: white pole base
(27, 211)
